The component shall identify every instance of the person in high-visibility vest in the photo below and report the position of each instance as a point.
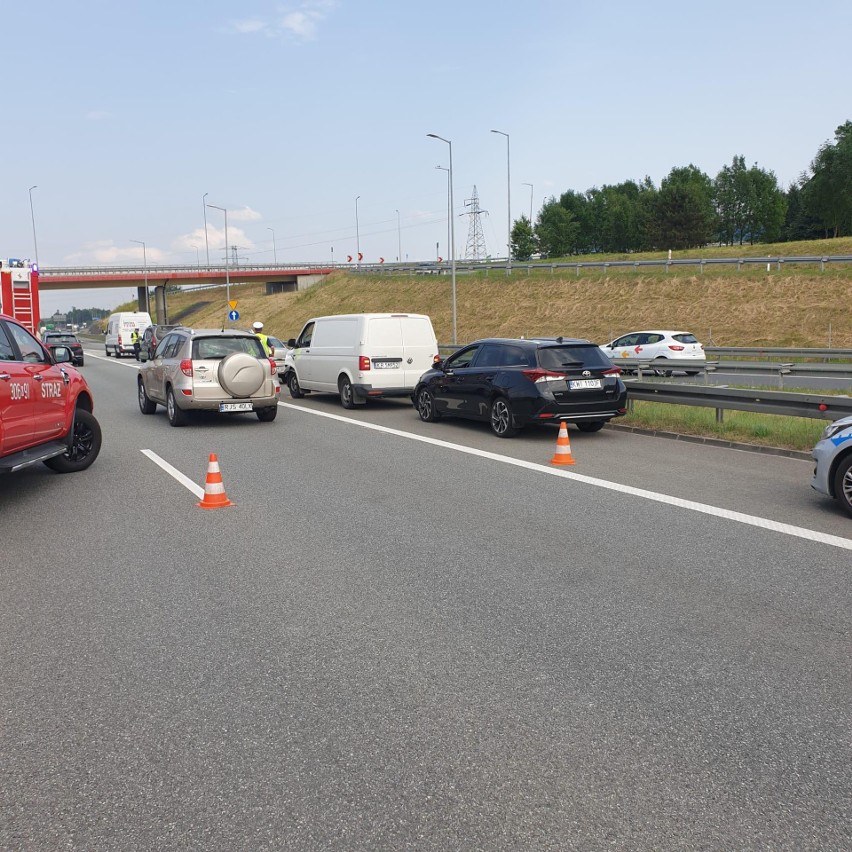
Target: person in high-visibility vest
(134, 339)
(257, 328)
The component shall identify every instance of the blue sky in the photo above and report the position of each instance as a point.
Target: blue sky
(123, 114)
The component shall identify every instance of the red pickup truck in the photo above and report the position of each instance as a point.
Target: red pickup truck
(45, 405)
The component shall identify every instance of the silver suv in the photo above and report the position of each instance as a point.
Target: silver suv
(208, 369)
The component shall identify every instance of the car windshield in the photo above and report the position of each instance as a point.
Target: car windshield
(559, 357)
(204, 348)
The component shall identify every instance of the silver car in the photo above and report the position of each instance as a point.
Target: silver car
(208, 369)
(833, 457)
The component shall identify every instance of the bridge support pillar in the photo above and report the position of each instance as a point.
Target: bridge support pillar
(160, 305)
(142, 299)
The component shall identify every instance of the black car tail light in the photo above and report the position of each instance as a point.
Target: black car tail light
(612, 371)
(539, 375)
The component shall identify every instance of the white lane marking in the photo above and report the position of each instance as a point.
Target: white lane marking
(704, 508)
(134, 363)
(197, 490)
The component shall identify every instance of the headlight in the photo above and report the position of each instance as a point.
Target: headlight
(833, 428)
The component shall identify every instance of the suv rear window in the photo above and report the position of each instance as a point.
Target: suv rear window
(205, 348)
(581, 355)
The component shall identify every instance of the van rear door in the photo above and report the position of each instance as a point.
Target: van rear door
(383, 346)
(419, 348)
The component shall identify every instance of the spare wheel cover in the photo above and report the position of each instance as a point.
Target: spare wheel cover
(240, 374)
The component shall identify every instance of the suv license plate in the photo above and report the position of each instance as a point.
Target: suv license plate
(584, 384)
(236, 406)
(386, 365)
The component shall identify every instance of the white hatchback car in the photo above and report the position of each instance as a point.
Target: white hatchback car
(656, 345)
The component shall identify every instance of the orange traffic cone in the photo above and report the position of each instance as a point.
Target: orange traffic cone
(563, 447)
(214, 490)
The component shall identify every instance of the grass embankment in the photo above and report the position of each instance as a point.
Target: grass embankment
(796, 307)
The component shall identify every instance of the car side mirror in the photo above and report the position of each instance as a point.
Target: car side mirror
(292, 342)
(438, 365)
(61, 355)
(143, 355)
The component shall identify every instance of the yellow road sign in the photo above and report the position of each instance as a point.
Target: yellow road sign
(233, 305)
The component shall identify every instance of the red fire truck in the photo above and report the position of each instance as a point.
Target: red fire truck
(19, 292)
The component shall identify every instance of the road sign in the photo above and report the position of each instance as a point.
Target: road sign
(233, 305)
(360, 256)
(349, 258)
(381, 260)
(233, 316)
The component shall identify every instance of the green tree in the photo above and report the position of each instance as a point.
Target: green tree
(828, 193)
(556, 229)
(749, 203)
(523, 239)
(683, 212)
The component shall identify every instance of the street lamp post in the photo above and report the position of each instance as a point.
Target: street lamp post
(197, 257)
(227, 273)
(357, 234)
(531, 198)
(32, 216)
(274, 250)
(508, 204)
(449, 211)
(145, 267)
(452, 232)
(206, 241)
(398, 238)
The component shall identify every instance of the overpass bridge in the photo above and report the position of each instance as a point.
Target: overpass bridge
(277, 278)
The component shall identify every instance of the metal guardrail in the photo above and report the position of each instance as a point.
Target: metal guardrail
(738, 399)
(433, 267)
(773, 351)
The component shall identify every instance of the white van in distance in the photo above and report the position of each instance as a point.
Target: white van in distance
(119, 328)
(360, 356)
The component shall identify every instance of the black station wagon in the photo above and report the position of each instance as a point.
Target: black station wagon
(512, 383)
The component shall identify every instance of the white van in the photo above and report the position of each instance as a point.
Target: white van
(119, 328)
(360, 356)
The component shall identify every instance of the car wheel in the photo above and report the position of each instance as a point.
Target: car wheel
(146, 404)
(85, 445)
(591, 425)
(177, 416)
(502, 419)
(843, 483)
(267, 415)
(293, 386)
(426, 406)
(347, 395)
(658, 372)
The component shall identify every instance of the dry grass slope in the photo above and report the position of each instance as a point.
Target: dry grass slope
(794, 307)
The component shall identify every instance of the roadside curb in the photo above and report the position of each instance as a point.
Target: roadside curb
(713, 442)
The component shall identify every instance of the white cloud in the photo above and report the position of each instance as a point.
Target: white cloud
(106, 253)
(244, 214)
(299, 23)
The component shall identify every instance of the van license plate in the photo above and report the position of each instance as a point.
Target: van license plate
(236, 406)
(386, 365)
(584, 384)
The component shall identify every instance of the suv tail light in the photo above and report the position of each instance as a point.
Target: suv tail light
(363, 363)
(273, 367)
(542, 375)
(186, 367)
(612, 371)
(676, 348)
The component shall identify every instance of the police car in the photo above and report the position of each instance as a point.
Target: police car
(45, 405)
(833, 457)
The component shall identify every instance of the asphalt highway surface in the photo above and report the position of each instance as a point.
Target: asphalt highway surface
(419, 636)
